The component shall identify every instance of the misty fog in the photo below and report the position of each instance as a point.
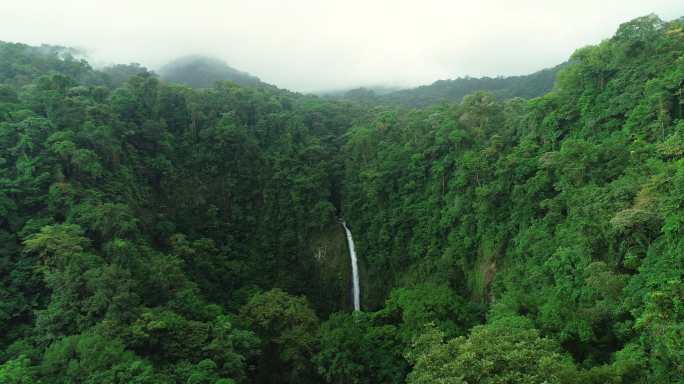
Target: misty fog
(325, 45)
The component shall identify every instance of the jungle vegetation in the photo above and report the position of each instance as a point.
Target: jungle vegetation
(151, 232)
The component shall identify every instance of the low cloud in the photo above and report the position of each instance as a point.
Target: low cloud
(310, 45)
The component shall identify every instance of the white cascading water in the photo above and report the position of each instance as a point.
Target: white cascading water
(356, 291)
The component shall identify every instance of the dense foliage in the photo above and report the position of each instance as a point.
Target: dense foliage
(154, 233)
(566, 209)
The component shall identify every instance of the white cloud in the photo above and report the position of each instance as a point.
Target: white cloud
(317, 44)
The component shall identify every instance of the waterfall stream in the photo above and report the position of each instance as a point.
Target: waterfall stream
(356, 291)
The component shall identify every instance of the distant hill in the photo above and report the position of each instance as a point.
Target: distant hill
(358, 92)
(526, 86)
(204, 72)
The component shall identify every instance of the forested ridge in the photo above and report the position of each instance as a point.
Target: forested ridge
(155, 233)
(454, 90)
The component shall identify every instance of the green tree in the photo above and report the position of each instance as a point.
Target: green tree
(90, 358)
(353, 349)
(508, 350)
(288, 329)
(18, 371)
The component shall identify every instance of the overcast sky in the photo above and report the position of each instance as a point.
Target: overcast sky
(310, 45)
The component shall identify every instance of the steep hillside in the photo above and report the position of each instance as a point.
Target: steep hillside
(564, 211)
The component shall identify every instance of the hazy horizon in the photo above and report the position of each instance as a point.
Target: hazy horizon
(311, 46)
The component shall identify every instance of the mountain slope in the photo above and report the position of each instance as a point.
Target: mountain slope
(204, 72)
(453, 91)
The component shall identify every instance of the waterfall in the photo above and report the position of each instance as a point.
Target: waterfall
(355, 268)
